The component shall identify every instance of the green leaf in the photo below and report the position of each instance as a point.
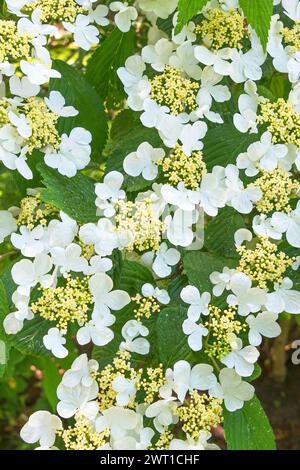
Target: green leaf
(248, 428)
(133, 276)
(4, 342)
(219, 234)
(75, 196)
(187, 9)
(51, 380)
(259, 13)
(102, 68)
(172, 342)
(78, 92)
(30, 339)
(199, 265)
(223, 144)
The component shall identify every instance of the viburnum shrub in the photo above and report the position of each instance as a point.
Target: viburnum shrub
(155, 145)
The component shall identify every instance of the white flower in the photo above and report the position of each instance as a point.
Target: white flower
(56, 103)
(143, 161)
(184, 59)
(131, 332)
(61, 232)
(104, 297)
(195, 334)
(30, 242)
(248, 299)
(34, 26)
(284, 298)
(159, 8)
(22, 87)
(191, 136)
(158, 55)
(54, 342)
(126, 14)
(69, 259)
(184, 378)
(165, 258)
(85, 34)
(97, 331)
(159, 294)
(80, 372)
(242, 235)
(41, 426)
(219, 59)
(73, 154)
(99, 15)
(248, 104)
(163, 413)
(247, 65)
(27, 274)
(8, 224)
(109, 192)
(13, 322)
(184, 199)
(132, 73)
(78, 398)
(292, 9)
(102, 235)
(264, 324)
(263, 154)
(15, 6)
(240, 198)
(125, 389)
(21, 123)
(154, 114)
(288, 224)
(98, 265)
(198, 303)
(38, 73)
(179, 227)
(262, 226)
(212, 192)
(232, 390)
(221, 280)
(241, 359)
(191, 444)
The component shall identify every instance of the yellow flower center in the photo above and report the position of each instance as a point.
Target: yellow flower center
(56, 10)
(82, 435)
(33, 211)
(43, 124)
(199, 413)
(14, 46)
(291, 37)
(221, 325)
(282, 121)
(277, 187)
(264, 264)
(172, 89)
(139, 221)
(222, 29)
(146, 306)
(178, 167)
(65, 304)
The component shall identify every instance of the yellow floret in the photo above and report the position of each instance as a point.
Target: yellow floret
(264, 264)
(83, 436)
(291, 37)
(179, 167)
(282, 121)
(56, 10)
(33, 212)
(199, 413)
(65, 304)
(222, 29)
(14, 46)
(146, 306)
(138, 220)
(172, 89)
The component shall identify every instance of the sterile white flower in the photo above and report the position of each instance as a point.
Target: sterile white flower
(247, 298)
(198, 302)
(41, 427)
(159, 294)
(124, 16)
(78, 398)
(27, 274)
(56, 103)
(142, 162)
(221, 280)
(284, 298)
(85, 34)
(241, 359)
(80, 372)
(264, 324)
(109, 192)
(131, 332)
(232, 390)
(54, 342)
(8, 224)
